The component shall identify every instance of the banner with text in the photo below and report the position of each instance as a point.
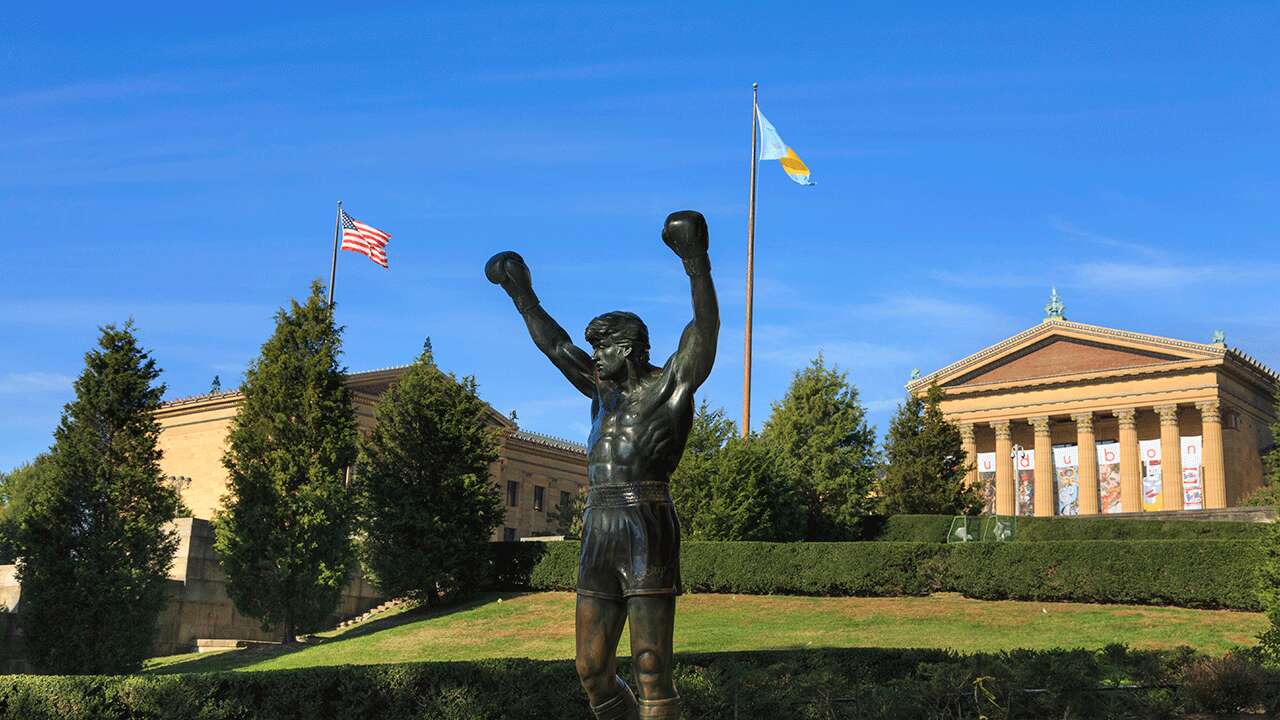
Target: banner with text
(987, 478)
(1066, 478)
(1192, 475)
(1149, 452)
(1024, 465)
(1109, 476)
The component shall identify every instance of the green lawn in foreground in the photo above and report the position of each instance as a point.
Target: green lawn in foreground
(540, 625)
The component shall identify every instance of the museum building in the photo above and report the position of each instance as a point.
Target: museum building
(1066, 418)
(534, 472)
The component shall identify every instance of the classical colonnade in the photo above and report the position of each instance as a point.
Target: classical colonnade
(1214, 473)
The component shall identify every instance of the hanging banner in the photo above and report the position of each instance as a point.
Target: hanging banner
(1066, 478)
(1024, 466)
(987, 479)
(1192, 474)
(1109, 476)
(1149, 453)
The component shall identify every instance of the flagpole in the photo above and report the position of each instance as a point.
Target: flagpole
(751, 268)
(337, 235)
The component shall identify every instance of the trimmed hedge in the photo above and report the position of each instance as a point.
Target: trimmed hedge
(862, 683)
(1186, 573)
(934, 528)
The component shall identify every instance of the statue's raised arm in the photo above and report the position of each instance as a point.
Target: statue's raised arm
(509, 270)
(685, 233)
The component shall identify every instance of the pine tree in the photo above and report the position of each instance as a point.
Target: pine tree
(427, 505)
(693, 478)
(1269, 493)
(567, 517)
(284, 533)
(752, 496)
(95, 540)
(820, 435)
(16, 487)
(926, 461)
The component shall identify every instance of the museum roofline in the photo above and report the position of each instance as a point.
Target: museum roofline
(559, 443)
(1204, 350)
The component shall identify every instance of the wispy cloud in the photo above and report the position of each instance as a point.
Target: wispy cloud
(882, 405)
(1074, 232)
(91, 91)
(33, 382)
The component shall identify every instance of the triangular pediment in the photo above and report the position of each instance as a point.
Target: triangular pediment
(1060, 348)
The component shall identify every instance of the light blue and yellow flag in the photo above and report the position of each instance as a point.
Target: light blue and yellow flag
(772, 148)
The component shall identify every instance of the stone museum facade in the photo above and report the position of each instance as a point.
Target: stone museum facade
(1066, 418)
(534, 472)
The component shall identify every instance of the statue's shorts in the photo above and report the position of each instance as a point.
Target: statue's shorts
(630, 543)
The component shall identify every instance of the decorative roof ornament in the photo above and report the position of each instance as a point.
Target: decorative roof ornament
(915, 373)
(1219, 338)
(1054, 309)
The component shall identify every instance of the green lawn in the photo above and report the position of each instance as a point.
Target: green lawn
(540, 625)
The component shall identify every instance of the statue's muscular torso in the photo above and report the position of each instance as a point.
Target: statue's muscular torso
(638, 436)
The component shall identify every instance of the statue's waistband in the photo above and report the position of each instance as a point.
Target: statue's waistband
(624, 495)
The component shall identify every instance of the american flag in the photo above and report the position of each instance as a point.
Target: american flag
(364, 239)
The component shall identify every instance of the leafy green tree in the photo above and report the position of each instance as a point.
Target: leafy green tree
(752, 497)
(692, 480)
(284, 533)
(95, 539)
(567, 517)
(1269, 493)
(926, 461)
(820, 435)
(15, 493)
(427, 505)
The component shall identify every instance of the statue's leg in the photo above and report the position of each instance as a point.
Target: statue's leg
(599, 624)
(652, 626)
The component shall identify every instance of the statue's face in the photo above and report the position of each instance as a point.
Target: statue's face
(610, 360)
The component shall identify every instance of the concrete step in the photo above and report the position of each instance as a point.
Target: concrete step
(216, 644)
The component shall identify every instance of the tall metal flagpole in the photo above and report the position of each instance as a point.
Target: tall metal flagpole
(337, 236)
(751, 260)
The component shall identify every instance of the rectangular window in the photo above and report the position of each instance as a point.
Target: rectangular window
(564, 499)
(539, 497)
(508, 534)
(513, 494)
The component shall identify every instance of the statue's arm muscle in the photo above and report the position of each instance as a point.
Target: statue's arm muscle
(554, 342)
(692, 361)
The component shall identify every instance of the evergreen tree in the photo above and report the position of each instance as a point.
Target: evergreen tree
(16, 487)
(692, 480)
(284, 533)
(567, 517)
(1269, 492)
(752, 497)
(926, 462)
(820, 436)
(428, 506)
(95, 543)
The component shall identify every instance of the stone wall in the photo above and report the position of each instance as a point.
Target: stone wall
(198, 604)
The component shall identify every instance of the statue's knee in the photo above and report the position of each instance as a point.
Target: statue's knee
(650, 667)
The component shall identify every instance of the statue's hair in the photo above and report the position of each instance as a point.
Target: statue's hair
(623, 328)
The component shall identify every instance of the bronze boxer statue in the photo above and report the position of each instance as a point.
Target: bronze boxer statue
(629, 569)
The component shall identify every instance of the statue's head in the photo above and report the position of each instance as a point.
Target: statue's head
(618, 338)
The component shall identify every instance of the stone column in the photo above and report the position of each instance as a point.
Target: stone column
(1130, 464)
(970, 453)
(1088, 470)
(1215, 474)
(1045, 501)
(1006, 499)
(1170, 458)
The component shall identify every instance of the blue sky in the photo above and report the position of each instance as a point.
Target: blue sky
(180, 166)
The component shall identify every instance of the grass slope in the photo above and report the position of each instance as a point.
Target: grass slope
(540, 626)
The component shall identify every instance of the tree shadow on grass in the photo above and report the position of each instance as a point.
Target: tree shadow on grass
(235, 659)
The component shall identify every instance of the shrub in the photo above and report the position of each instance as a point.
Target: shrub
(1186, 573)
(1231, 683)
(867, 683)
(934, 528)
